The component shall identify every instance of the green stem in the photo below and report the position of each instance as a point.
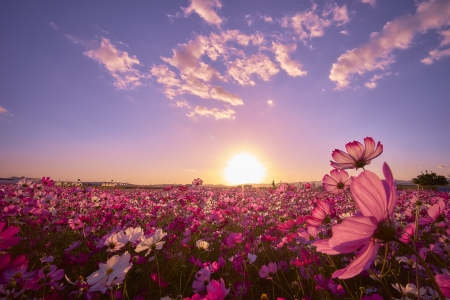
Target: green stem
(427, 269)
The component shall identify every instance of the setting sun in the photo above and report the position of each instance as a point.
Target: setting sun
(244, 168)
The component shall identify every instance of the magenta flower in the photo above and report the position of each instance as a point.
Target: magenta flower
(7, 238)
(319, 213)
(47, 181)
(358, 156)
(233, 239)
(376, 201)
(216, 290)
(337, 183)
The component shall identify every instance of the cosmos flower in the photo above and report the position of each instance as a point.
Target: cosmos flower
(112, 272)
(337, 183)
(434, 212)
(7, 238)
(201, 244)
(319, 213)
(376, 201)
(443, 281)
(358, 155)
(152, 243)
(268, 271)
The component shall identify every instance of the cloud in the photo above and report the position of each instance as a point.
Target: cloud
(371, 2)
(190, 170)
(3, 110)
(291, 67)
(270, 102)
(215, 112)
(258, 64)
(344, 32)
(182, 103)
(371, 84)
(309, 24)
(74, 39)
(53, 25)
(118, 63)
(437, 54)
(267, 19)
(205, 9)
(442, 167)
(338, 14)
(397, 34)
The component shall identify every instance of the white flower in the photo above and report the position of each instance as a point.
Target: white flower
(410, 290)
(251, 257)
(201, 244)
(113, 272)
(153, 242)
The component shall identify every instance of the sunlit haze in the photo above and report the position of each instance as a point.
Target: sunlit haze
(244, 168)
(162, 92)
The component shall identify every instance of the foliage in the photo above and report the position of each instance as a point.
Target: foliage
(430, 179)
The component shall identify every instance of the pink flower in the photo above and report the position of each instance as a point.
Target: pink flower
(434, 212)
(233, 239)
(408, 233)
(376, 201)
(318, 214)
(443, 281)
(358, 156)
(7, 239)
(337, 183)
(268, 271)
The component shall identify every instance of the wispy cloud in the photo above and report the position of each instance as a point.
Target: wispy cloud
(181, 103)
(3, 110)
(291, 67)
(270, 102)
(259, 64)
(308, 24)
(372, 83)
(344, 32)
(397, 34)
(205, 9)
(437, 53)
(371, 2)
(442, 167)
(118, 63)
(214, 112)
(53, 25)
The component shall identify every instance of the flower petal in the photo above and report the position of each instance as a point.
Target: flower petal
(355, 149)
(370, 195)
(352, 233)
(362, 262)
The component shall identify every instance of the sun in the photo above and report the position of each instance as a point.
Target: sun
(244, 168)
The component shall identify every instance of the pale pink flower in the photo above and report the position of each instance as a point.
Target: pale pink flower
(376, 201)
(201, 280)
(408, 233)
(434, 212)
(197, 182)
(268, 271)
(337, 183)
(358, 156)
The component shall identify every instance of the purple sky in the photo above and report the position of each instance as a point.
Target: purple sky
(168, 91)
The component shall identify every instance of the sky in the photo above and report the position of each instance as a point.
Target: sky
(152, 92)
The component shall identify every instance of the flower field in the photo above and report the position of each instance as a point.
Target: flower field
(353, 238)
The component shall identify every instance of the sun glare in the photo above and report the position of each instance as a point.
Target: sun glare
(244, 168)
